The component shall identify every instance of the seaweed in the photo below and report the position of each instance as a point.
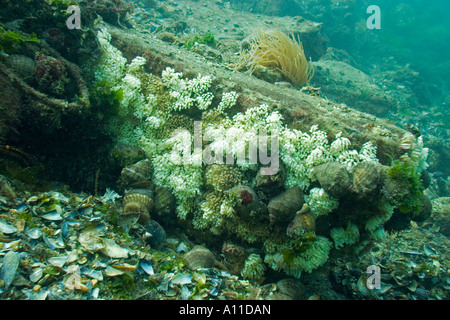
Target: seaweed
(407, 178)
(61, 4)
(207, 39)
(122, 287)
(11, 41)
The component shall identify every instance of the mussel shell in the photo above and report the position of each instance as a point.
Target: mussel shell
(34, 233)
(304, 221)
(113, 250)
(147, 267)
(180, 279)
(90, 241)
(7, 228)
(157, 234)
(9, 268)
(292, 288)
(282, 208)
(199, 257)
(135, 173)
(139, 202)
(333, 178)
(366, 179)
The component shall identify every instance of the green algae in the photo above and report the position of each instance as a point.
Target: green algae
(11, 41)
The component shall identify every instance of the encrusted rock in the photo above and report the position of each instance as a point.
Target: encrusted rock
(22, 65)
(311, 34)
(352, 87)
(124, 154)
(51, 75)
(441, 215)
(425, 211)
(165, 202)
(6, 189)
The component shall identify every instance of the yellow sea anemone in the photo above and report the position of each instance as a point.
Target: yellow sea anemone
(273, 48)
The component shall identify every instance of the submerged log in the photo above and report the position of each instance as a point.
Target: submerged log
(299, 109)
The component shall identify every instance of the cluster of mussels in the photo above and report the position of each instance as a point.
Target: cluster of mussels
(141, 199)
(265, 212)
(412, 266)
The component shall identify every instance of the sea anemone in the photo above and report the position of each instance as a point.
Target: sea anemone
(273, 48)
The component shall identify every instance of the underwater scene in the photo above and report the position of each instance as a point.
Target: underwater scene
(224, 150)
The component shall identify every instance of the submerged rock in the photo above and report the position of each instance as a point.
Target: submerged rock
(6, 190)
(271, 185)
(165, 202)
(425, 210)
(235, 257)
(352, 87)
(126, 155)
(23, 66)
(441, 215)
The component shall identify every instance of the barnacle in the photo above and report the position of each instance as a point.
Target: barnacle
(272, 48)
